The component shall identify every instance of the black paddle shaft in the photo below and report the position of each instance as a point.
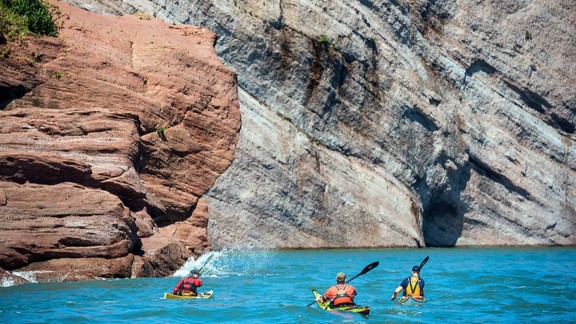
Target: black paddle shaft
(364, 271)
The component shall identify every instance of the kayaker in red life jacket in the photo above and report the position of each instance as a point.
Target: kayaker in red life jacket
(412, 286)
(188, 286)
(339, 294)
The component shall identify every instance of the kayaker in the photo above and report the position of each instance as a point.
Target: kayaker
(340, 294)
(188, 285)
(412, 286)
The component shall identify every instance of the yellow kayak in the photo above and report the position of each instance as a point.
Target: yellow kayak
(202, 295)
(363, 310)
(410, 300)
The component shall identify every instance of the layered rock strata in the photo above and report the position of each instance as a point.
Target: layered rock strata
(393, 123)
(110, 136)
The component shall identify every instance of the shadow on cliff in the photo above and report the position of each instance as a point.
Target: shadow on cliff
(444, 210)
(8, 93)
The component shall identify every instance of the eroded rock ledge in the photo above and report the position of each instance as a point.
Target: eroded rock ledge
(110, 135)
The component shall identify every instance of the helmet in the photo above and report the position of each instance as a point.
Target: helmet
(193, 272)
(340, 275)
(415, 269)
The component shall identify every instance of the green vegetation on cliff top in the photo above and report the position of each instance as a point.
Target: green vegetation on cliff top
(19, 18)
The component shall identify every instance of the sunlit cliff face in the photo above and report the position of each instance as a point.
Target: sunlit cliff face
(411, 123)
(113, 135)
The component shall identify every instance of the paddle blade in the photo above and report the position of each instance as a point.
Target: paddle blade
(424, 262)
(365, 270)
(369, 267)
(312, 303)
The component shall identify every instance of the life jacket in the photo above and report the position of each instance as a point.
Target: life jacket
(188, 287)
(413, 288)
(342, 296)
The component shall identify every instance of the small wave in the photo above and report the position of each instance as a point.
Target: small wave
(7, 282)
(19, 277)
(31, 276)
(28, 275)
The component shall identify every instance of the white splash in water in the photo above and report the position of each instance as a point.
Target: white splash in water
(29, 276)
(228, 262)
(204, 263)
(7, 282)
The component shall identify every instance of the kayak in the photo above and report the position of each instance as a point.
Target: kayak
(363, 310)
(410, 300)
(202, 295)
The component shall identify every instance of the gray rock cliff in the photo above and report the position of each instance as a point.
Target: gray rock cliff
(393, 123)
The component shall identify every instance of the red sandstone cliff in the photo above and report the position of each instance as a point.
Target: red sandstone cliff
(110, 135)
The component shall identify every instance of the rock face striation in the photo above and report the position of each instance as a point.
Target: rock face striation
(393, 123)
(110, 136)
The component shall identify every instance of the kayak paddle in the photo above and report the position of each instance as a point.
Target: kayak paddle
(364, 271)
(206, 263)
(424, 262)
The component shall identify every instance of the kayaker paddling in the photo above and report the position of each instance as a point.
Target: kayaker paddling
(188, 286)
(347, 292)
(340, 294)
(412, 286)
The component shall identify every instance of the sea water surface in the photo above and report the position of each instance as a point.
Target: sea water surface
(488, 285)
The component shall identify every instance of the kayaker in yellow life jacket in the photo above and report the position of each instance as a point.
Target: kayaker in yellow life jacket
(339, 294)
(412, 286)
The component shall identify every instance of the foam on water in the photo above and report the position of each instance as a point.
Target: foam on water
(7, 282)
(29, 276)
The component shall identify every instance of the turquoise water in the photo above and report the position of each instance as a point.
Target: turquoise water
(530, 285)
